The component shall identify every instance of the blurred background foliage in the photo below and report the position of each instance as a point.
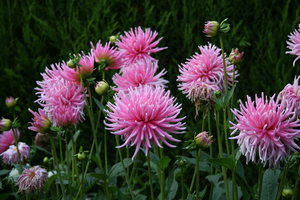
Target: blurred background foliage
(35, 34)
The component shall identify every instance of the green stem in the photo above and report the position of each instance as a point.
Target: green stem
(221, 156)
(150, 177)
(68, 164)
(105, 150)
(260, 180)
(284, 173)
(124, 169)
(193, 180)
(75, 158)
(224, 64)
(197, 171)
(162, 173)
(182, 183)
(58, 170)
(211, 154)
(296, 186)
(17, 147)
(82, 175)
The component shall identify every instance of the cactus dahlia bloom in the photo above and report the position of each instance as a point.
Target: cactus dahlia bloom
(137, 44)
(7, 138)
(63, 101)
(70, 74)
(109, 56)
(32, 180)
(207, 68)
(10, 156)
(267, 127)
(41, 123)
(144, 116)
(294, 44)
(140, 73)
(291, 93)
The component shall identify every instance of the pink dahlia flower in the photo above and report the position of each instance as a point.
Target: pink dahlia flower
(7, 138)
(291, 93)
(32, 180)
(294, 44)
(58, 95)
(137, 44)
(86, 69)
(10, 156)
(140, 73)
(109, 56)
(267, 127)
(206, 68)
(144, 116)
(41, 123)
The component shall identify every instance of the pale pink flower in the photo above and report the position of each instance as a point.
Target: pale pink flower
(10, 156)
(144, 116)
(137, 44)
(207, 68)
(203, 140)
(294, 44)
(267, 127)
(58, 95)
(291, 93)
(32, 180)
(86, 69)
(140, 73)
(110, 56)
(41, 123)
(7, 138)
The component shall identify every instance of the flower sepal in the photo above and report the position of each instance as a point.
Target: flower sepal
(224, 27)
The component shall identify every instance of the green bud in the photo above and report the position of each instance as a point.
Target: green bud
(71, 64)
(10, 102)
(202, 140)
(287, 192)
(5, 124)
(45, 160)
(101, 87)
(112, 39)
(81, 155)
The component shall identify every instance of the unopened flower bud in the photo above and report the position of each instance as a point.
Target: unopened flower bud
(81, 155)
(101, 87)
(10, 102)
(287, 192)
(45, 160)
(211, 28)
(5, 124)
(235, 56)
(112, 39)
(202, 140)
(71, 64)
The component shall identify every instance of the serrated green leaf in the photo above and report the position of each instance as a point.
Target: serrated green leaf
(163, 163)
(117, 169)
(226, 162)
(99, 104)
(228, 96)
(269, 185)
(4, 171)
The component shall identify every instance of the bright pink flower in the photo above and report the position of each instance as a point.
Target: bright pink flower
(140, 73)
(109, 56)
(292, 94)
(86, 69)
(7, 139)
(58, 95)
(41, 123)
(207, 68)
(294, 44)
(137, 44)
(267, 127)
(144, 116)
(10, 156)
(32, 180)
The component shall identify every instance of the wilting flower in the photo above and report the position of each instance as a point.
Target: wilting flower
(10, 102)
(144, 116)
(7, 138)
(86, 69)
(32, 180)
(110, 57)
(63, 101)
(291, 93)
(101, 87)
(294, 44)
(235, 57)
(267, 127)
(5, 124)
(137, 44)
(211, 28)
(202, 140)
(140, 73)
(42, 140)
(14, 175)
(10, 156)
(41, 123)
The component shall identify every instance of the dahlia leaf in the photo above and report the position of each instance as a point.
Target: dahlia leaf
(163, 163)
(42, 149)
(117, 169)
(99, 104)
(49, 182)
(226, 162)
(171, 186)
(100, 176)
(270, 185)
(228, 96)
(4, 171)
(75, 138)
